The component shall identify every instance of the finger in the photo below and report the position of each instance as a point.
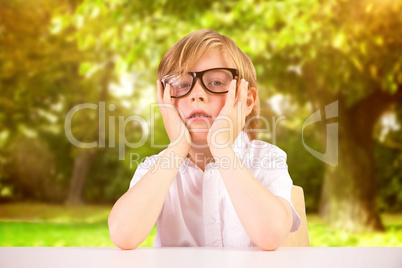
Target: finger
(239, 91)
(241, 101)
(245, 103)
(159, 92)
(166, 94)
(244, 96)
(232, 92)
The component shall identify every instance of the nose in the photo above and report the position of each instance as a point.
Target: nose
(198, 93)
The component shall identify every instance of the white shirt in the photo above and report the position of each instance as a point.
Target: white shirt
(198, 210)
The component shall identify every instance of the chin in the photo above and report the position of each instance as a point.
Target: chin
(199, 137)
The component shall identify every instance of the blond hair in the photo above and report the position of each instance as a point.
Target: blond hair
(185, 53)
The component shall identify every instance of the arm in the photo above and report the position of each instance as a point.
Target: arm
(266, 218)
(134, 215)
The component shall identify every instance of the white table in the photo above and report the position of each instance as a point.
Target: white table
(200, 257)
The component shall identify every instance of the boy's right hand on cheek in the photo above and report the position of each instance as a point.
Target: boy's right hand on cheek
(176, 129)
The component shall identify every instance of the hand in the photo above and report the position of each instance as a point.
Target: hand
(231, 119)
(176, 129)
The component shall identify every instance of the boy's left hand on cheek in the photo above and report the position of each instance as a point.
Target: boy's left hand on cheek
(231, 119)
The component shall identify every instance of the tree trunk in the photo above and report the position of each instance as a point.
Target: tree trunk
(349, 193)
(84, 157)
(82, 164)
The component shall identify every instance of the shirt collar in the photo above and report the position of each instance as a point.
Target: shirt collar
(241, 141)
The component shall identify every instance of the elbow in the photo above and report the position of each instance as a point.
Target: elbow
(269, 245)
(121, 239)
(125, 245)
(273, 240)
(268, 248)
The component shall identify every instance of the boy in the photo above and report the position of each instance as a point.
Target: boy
(215, 185)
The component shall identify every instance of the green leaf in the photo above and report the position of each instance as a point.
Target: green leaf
(85, 67)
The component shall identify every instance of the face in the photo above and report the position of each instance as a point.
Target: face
(199, 100)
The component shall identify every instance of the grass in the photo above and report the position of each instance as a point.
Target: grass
(43, 225)
(322, 236)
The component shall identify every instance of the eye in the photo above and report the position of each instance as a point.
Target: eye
(217, 83)
(182, 85)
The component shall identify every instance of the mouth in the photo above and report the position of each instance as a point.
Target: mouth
(199, 115)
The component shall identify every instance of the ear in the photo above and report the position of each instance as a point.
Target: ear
(251, 99)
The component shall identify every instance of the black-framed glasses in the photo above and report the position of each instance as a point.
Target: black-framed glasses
(216, 80)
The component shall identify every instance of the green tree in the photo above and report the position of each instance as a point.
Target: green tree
(32, 86)
(318, 51)
(353, 56)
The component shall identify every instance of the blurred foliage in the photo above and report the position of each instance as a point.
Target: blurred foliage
(389, 178)
(56, 54)
(388, 148)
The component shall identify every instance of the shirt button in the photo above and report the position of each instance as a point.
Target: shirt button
(212, 220)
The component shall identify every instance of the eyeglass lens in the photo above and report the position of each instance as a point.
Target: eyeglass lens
(217, 81)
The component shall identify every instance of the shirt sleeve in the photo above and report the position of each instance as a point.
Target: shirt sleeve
(273, 175)
(144, 167)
